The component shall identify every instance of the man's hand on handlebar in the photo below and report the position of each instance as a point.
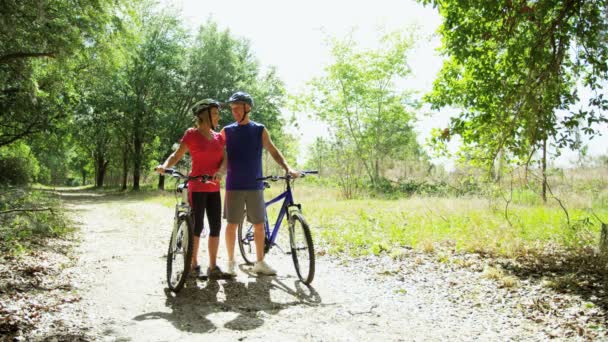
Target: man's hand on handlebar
(218, 176)
(293, 173)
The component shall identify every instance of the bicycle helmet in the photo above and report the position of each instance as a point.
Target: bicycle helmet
(243, 98)
(203, 105)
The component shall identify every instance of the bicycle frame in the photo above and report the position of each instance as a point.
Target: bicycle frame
(287, 198)
(300, 244)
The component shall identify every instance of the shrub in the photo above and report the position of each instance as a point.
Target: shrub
(19, 166)
(19, 229)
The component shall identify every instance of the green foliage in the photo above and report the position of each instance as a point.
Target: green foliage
(424, 187)
(19, 166)
(19, 230)
(369, 118)
(104, 87)
(52, 152)
(511, 65)
(39, 55)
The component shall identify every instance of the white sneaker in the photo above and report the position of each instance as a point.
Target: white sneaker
(231, 269)
(263, 268)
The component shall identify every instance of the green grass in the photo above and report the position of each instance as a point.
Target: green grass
(462, 224)
(467, 224)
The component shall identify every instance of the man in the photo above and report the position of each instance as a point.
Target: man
(244, 142)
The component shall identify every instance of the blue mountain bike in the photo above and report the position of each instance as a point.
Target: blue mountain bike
(300, 240)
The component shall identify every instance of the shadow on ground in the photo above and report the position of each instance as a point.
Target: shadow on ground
(580, 272)
(191, 306)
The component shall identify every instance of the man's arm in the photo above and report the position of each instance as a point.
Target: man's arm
(276, 154)
(221, 172)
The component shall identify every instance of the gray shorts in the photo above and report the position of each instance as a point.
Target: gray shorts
(237, 200)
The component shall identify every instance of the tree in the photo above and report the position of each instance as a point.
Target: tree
(359, 100)
(511, 65)
(96, 124)
(154, 75)
(41, 42)
(215, 64)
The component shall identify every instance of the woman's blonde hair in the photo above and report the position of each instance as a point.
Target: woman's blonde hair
(200, 120)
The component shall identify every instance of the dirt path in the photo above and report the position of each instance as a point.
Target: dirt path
(121, 279)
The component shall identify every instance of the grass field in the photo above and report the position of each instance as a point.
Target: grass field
(462, 224)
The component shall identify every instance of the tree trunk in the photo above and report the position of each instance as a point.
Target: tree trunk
(137, 161)
(498, 167)
(161, 182)
(544, 170)
(377, 166)
(84, 177)
(125, 169)
(604, 240)
(101, 173)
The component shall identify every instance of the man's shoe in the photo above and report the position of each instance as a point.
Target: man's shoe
(216, 273)
(231, 268)
(262, 267)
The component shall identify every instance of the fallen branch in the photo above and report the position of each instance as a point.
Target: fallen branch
(26, 210)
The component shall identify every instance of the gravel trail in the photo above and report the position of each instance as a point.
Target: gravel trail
(120, 276)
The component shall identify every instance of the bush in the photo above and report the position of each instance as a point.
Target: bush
(19, 166)
(19, 229)
(423, 187)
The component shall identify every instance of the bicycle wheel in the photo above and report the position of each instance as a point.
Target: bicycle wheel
(179, 255)
(302, 250)
(246, 242)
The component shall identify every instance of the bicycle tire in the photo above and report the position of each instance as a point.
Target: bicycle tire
(177, 247)
(302, 249)
(246, 242)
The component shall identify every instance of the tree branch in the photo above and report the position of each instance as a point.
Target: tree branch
(19, 55)
(26, 210)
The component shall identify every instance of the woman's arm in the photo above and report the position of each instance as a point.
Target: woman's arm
(173, 158)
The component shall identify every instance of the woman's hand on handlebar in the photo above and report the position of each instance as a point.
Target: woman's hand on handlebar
(160, 169)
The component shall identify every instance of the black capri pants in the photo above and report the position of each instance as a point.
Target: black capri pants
(211, 203)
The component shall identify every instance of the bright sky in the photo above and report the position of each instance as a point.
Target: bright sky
(291, 36)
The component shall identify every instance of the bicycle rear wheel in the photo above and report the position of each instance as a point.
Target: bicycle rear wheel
(179, 255)
(246, 242)
(302, 250)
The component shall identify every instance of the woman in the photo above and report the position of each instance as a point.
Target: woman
(206, 147)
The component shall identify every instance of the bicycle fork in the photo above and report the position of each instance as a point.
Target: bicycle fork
(291, 210)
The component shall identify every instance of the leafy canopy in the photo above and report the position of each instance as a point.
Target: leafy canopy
(513, 65)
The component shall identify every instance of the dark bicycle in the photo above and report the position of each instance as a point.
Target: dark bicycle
(300, 239)
(179, 256)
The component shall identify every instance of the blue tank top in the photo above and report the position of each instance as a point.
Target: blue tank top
(244, 149)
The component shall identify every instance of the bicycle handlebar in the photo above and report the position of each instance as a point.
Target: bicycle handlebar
(287, 177)
(177, 174)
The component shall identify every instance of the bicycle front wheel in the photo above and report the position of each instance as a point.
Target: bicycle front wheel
(179, 255)
(246, 242)
(302, 250)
